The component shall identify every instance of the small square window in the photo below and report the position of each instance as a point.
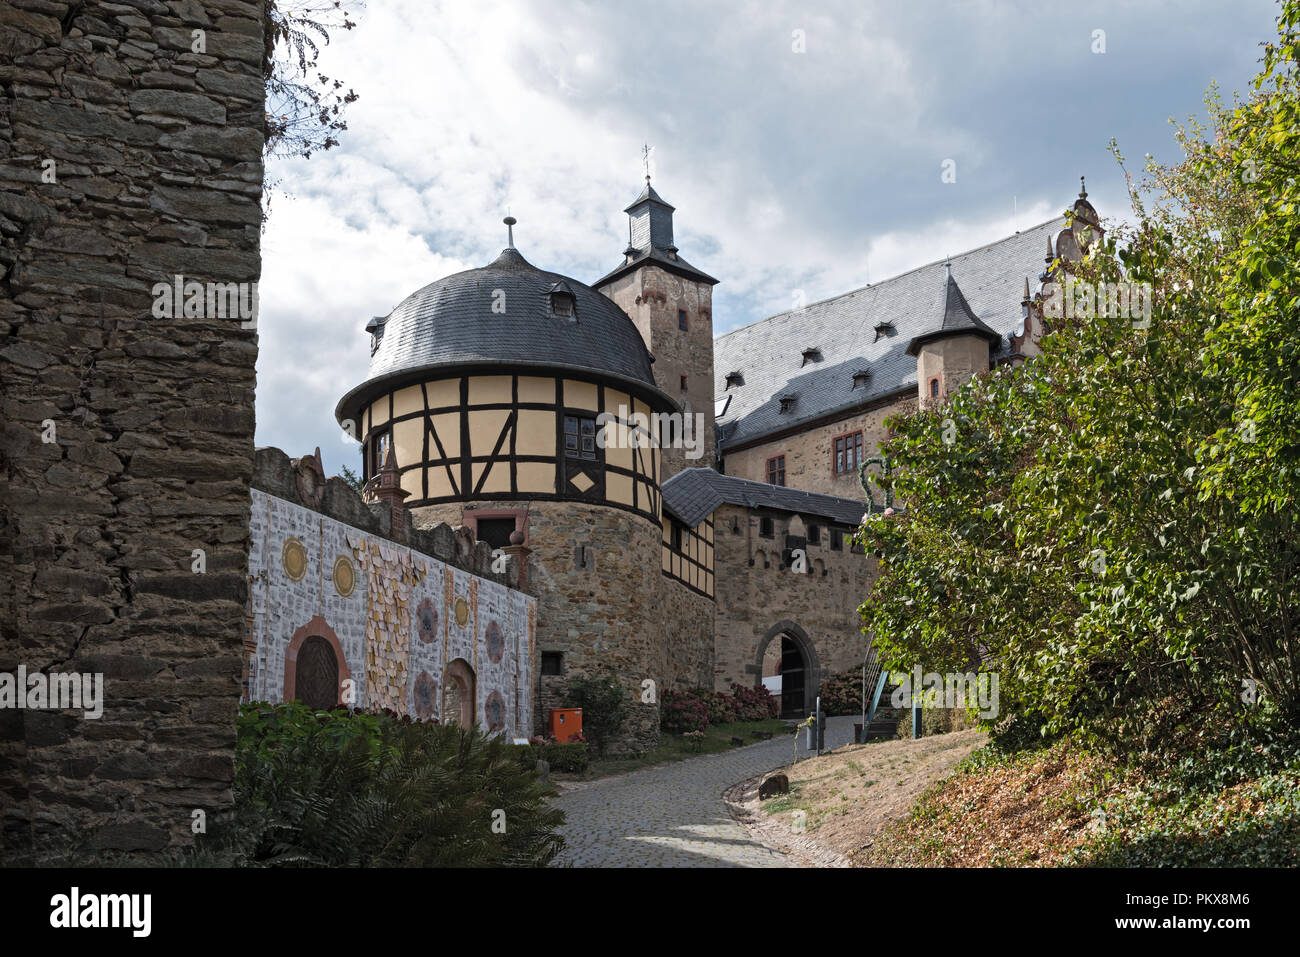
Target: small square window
(552, 663)
(682, 323)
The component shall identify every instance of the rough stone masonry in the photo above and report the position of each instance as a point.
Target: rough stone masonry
(131, 138)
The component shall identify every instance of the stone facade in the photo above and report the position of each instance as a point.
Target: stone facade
(404, 610)
(759, 602)
(600, 605)
(126, 158)
(953, 361)
(652, 296)
(809, 452)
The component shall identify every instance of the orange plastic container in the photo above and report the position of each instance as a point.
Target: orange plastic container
(566, 723)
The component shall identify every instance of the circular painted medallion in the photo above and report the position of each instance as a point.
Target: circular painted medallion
(426, 621)
(293, 557)
(426, 696)
(496, 643)
(494, 709)
(462, 612)
(345, 576)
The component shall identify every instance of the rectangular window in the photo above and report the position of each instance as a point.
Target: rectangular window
(552, 663)
(814, 534)
(495, 531)
(776, 470)
(580, 437)
(379, 446)
(934, 388)
(848, 453)
(681, 320)
(677, 537)
(683, 383)
(837, 540)
(765, 528)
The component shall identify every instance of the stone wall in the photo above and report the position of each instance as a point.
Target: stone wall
(954, 361)
(652, 296)
(809, 455)
(126, 158)
(398, 605)
(755, 601)
(596, 573)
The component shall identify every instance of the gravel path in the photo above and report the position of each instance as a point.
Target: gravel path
(674, 815)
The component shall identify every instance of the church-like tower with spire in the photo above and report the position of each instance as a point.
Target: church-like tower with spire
(671, 303)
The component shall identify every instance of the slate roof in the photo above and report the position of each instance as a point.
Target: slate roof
(769, 353)
(957, 319)
(450, 324)
(693, 494)
(660, 258)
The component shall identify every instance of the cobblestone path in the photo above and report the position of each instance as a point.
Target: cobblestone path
(673, 816)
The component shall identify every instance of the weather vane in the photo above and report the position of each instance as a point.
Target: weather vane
(645, 159)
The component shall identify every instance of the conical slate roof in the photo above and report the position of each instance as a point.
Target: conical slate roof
(957, 320)
(500, 318)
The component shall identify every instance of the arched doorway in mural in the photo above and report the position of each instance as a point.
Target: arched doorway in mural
(799, 668)
(458, 694)
(317, 674)
(314, 666)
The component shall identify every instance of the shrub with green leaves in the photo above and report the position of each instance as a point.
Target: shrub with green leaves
(350, 789)
(604, 704)
(1113, 525)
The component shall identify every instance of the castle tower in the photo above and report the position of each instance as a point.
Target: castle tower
(951, 354)
(671, 303)
(495, 400)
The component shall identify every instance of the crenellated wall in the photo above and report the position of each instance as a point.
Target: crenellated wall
(397, 619)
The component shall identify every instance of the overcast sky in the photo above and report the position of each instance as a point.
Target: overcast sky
(818, 170)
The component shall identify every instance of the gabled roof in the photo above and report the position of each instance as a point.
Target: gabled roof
(692, 495)
(767, 352)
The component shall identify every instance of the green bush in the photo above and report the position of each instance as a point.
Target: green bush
(1112, 526)
(566, 756)
(349, 789)
(604, 704)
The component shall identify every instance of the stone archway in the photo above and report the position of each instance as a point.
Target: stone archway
(458, 694)
(793, 639)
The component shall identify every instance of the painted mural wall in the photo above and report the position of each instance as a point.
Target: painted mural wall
(409, 632)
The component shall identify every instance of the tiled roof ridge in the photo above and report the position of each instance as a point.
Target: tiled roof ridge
(894, 278)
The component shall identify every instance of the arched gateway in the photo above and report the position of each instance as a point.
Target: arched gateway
(800, 668)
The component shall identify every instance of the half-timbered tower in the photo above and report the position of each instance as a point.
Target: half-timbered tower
(521, 403)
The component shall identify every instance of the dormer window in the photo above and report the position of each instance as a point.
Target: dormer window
(884, 329)
(861, 378)
(734, 379)
(562, 301)
(811, 354)
(787, 401)
(376, 329)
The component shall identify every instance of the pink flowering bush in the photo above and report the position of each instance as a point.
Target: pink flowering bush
(695, 709)
(682, 711)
